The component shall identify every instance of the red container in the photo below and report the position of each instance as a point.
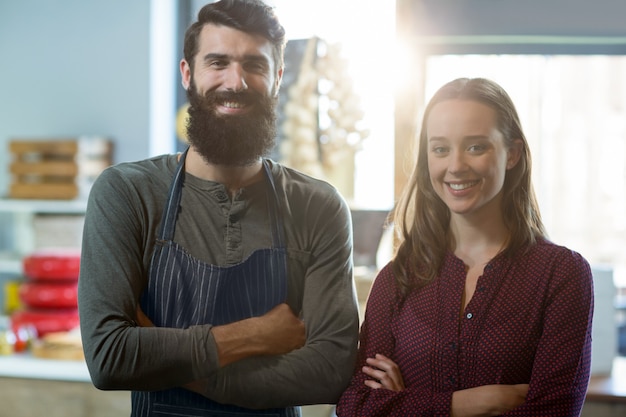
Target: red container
(52, 265)
(46, 321)
(39, 294)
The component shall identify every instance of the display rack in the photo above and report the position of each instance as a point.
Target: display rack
(18, 215)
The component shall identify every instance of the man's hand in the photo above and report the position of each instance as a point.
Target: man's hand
(385, 373)
(142, 319)
(281, 330)
(277, 332)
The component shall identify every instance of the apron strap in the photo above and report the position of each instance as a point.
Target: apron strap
(278, 233)
(168, 223)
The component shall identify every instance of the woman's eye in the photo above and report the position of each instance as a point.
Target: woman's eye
(476, 148)
(255, 67)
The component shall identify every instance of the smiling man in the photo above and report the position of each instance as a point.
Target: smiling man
(232, 85)
(217, 281)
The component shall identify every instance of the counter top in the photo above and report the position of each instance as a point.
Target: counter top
(27, 366)
(601, 388)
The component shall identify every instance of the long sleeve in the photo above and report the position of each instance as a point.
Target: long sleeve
(378, 336)
(560, 372)
(319, 371)
(529, 322)
(117, 244)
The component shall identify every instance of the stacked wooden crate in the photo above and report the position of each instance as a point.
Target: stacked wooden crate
(59, 169)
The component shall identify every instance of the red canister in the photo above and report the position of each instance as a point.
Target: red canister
(53, 264)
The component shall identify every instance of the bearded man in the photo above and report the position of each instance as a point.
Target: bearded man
(217, 281)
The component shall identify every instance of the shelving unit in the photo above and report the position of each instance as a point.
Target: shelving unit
(18, 215)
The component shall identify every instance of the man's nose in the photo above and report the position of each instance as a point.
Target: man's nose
(235, 78)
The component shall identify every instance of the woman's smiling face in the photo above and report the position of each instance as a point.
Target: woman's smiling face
(467, 157)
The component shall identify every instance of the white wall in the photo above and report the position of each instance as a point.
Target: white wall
(75, 67)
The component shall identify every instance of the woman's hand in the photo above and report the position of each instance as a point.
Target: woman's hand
(487, 400)
(384, 372)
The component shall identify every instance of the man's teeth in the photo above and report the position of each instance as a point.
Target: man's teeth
(463, 186)
(233, 105)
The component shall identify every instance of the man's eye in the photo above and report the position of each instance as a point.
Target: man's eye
(217, 64)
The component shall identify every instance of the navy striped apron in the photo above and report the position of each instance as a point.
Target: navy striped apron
(184, 291)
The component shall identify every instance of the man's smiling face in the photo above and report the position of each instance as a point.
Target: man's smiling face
(232, 87)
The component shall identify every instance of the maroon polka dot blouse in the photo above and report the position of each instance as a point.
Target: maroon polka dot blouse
(529, 321)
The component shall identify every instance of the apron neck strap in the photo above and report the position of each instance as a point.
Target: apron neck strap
(168, 222)
(274, 210)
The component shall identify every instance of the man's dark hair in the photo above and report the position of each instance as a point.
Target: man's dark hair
(250, 16)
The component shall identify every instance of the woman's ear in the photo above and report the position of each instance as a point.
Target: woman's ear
(514, 153)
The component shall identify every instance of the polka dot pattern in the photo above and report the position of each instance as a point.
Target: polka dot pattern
(529, 321)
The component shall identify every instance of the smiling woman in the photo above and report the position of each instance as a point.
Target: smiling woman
(566, 104)
(466, 317)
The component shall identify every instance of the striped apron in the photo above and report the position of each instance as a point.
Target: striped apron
(183, 291)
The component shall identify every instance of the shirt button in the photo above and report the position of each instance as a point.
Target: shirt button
(469, 315)
(221, 196)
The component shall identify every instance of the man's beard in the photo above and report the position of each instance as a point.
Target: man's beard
(235, 140)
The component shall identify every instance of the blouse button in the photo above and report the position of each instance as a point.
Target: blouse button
(469, 315)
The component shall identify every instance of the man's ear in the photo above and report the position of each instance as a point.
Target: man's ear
(279, 79)
(514, 153)
(185, 72)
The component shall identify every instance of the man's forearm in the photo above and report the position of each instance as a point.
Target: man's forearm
(237, 341)
(278, 331)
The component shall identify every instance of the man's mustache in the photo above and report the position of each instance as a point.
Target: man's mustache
(247, 97)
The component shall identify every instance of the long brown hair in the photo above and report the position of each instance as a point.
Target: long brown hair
(422, 219)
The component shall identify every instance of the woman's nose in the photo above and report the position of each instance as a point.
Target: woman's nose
(457, 162)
